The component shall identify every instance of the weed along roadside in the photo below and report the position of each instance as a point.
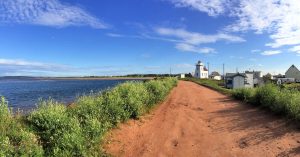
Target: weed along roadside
(280, 100)
(56, 130)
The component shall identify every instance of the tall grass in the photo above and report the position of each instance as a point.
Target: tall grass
(278, 100)
(56, 130)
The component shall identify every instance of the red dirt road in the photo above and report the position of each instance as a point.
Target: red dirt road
(195, 121)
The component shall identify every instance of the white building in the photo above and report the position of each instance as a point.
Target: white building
(239, 80)
(201, 71)
(215, 76)
(182, 76)
(257, 77)
(293, 72)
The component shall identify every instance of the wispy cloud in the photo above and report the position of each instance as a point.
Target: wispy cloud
(278, 18)
(115, 35)
(295, 49)
(269, 53)
(47, 13)
(191, 41)
(255, 51)
(191, 48)
(211, 7)
(197, 38)
(32, 68)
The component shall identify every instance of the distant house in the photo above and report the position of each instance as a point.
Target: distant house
(182, 76)
(293, 73)
(239, 80)
(201, 71)
(257, 77)
(215, 75)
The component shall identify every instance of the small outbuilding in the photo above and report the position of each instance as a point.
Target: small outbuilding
(182, 76)
(215, 76)
(239, 80)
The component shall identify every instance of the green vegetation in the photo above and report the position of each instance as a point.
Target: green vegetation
(15, 139)
(56, 130)
(217, 85)
(278, 100)
(283, 99)
(292, 86)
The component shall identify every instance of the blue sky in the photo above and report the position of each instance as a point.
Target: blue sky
(113, 37)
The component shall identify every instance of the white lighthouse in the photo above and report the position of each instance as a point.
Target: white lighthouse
(201, 71)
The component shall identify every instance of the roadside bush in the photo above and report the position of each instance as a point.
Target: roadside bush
(60, 133)
(244, 94)
(77, 130)
(15, 140)
(135, 97)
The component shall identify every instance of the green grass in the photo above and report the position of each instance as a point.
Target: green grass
(217, 85)
(56, 130)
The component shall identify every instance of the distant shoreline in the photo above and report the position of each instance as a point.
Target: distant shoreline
(98, 78)
(76, 78)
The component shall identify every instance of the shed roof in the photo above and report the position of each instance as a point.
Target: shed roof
(232, 75)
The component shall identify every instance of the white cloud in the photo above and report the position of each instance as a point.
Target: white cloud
(47, 13)
(196, 38)
(30, 64)
(191, 41)
(269, 53)
(295, 49)
(278, 18)
(255, 51)
(191, 48)
(31, 68)
(211, 7)
(114, 35)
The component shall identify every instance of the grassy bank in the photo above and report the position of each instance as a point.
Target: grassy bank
(56, 130)
(217, 85)
(283, 99)
(279, 100)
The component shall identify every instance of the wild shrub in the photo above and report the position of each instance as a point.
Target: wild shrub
(16, 140)
(134, 96)
(57, 130)
(244, 94)
(60, 133)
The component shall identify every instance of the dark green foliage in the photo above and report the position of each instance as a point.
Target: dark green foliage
(78, 130)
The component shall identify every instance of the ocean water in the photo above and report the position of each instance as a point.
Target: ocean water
(25, 94)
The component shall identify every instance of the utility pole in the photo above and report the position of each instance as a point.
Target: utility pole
(224, 73)
(208, 67)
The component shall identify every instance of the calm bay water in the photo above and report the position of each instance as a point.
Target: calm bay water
(24, 94)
